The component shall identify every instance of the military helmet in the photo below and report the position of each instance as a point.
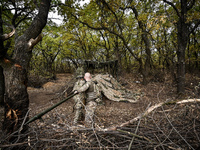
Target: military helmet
(79, 72)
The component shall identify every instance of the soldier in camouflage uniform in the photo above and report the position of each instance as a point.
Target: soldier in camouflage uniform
(80, 97)
(89, 89)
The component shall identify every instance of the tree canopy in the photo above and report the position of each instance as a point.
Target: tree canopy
(144, 36)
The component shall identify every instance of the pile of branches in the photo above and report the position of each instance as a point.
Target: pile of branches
(167, 125)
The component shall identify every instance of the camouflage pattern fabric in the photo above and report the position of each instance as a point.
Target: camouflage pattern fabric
(85, 87)
(113, 90)
(89, 114)
(79, 101)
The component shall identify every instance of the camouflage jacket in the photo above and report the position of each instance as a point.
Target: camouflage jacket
(89, 89)
(77, 86)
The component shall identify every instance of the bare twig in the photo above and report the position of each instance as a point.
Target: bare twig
(137, 129)
(135, 135)
(177, 131)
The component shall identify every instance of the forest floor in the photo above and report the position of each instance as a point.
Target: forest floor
(111, 113)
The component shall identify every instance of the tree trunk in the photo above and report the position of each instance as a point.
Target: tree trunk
(146, 70)
(195, 53)
(2, 84)
(147, 64)
(15, 72)
(182, 36)
(184, 29)
(2, 89)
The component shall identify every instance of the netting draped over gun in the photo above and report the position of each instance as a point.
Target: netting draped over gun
(38, 116)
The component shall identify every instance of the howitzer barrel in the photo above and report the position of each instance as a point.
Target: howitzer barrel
(38, 116)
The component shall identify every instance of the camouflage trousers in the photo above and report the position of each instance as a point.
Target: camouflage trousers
(78, 112)
(89, 114)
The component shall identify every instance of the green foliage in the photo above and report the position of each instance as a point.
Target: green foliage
(108, 30)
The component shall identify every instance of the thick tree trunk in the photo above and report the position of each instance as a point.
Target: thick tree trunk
(182, 43)
(16, 96)
(2, 84)
(147, 64)
(182, 35)
(15, 72)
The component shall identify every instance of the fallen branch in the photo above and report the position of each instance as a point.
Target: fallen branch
(148, 111)
(188, 101)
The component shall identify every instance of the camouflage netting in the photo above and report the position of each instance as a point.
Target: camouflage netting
(113, 90)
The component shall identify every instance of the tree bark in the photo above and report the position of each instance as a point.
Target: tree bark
(182, 44)
(15, 72)
(183, 33)
(2, 84)
(2, 90)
